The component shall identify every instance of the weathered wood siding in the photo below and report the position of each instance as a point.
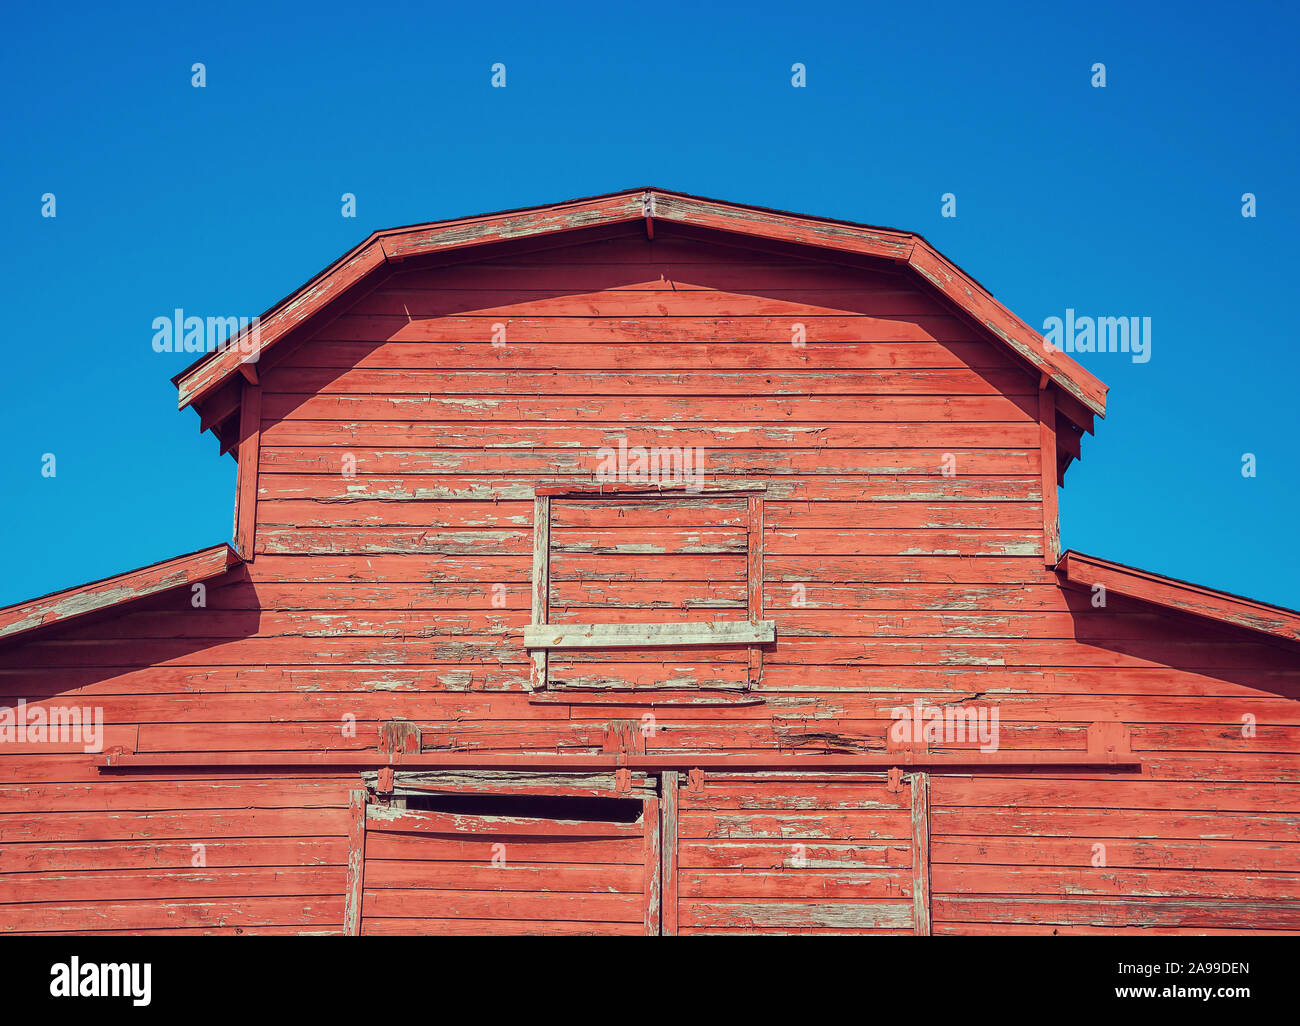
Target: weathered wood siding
(663, 343)
(401, 591)
(437, 873)
(793, 853)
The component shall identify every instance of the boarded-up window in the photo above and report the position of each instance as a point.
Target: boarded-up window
(648, 589)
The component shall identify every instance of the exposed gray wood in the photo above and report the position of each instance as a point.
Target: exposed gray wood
(356, 863)
(653, 883)
(541, 583)
(668, 854)
(754, 574)
(574, 692)
(588, 491)
(410, 783)
(723, 545)
(250, 459)
(638, 635)
(921, 853)
(721, 913)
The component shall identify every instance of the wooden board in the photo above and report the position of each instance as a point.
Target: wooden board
(769, 854)
(439, 873)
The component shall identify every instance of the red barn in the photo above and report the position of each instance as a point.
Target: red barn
(646, 564)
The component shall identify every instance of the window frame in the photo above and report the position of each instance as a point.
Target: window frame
(542, 637)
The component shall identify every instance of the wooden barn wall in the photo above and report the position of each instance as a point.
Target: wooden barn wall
(401, 590)
(165, 852)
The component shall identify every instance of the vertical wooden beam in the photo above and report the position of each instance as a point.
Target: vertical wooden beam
(668, 851)
(356, 863)
(1047, 445)
(250, 436)
(541, 583)
(653, 857)
(754, 575)
(921, 853)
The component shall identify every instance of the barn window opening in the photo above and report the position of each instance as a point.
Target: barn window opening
(648, 587)
(564, 807)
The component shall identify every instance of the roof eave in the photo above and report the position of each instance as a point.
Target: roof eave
(649, 204)
(1087, 571)
(60, 607)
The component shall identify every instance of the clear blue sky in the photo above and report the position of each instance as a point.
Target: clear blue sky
(1117, 201)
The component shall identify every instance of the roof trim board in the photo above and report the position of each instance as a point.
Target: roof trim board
(637, 206)
(1181, 596)
(980, 305)
(62, 606)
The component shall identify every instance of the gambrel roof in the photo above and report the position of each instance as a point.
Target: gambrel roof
(211, 384)
(214, 384)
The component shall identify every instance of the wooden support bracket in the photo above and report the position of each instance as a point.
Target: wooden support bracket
(249, 458)
(1048, 476)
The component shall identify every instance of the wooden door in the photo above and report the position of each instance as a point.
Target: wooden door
(428, 872)
(793, 853)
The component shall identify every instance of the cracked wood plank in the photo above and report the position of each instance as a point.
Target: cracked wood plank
(499, 782)
(401, 821)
